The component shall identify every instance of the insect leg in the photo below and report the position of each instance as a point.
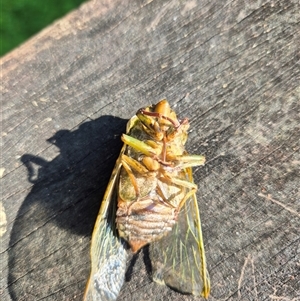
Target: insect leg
(132, 177)
(139, 145)
(186, 161)
(134, 164)
(184, 184)
(179, 181)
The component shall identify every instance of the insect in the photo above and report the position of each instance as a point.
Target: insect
(150, 199)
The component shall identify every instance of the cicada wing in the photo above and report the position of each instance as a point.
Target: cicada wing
(178, 259)
(108, 254)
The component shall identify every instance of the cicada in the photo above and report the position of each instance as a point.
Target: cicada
(150, 199)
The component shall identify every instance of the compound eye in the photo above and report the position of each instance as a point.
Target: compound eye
(163, 108)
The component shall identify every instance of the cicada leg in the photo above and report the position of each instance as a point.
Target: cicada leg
(163, 111)
(139, 145)
(186, 161)
(131, 177)
(137, 166)
(162, 197)
(184, 184)
(130, 164)
(147, 148)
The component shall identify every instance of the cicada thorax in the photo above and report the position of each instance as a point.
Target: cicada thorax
(148, 199)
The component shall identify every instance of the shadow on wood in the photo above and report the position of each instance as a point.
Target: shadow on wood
(66, 195)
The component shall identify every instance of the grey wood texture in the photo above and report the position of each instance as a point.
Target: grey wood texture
(231, 67)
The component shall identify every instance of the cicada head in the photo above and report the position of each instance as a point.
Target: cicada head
(159, 120)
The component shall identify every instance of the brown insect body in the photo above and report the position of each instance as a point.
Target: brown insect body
(148, 208)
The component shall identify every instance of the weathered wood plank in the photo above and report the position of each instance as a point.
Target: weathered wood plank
(231, 67)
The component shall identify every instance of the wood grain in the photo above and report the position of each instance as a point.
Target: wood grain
(231, 67)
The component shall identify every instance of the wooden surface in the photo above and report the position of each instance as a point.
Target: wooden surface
(231, 67)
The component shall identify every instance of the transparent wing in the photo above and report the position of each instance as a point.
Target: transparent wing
(178, 259)
(108, 254)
